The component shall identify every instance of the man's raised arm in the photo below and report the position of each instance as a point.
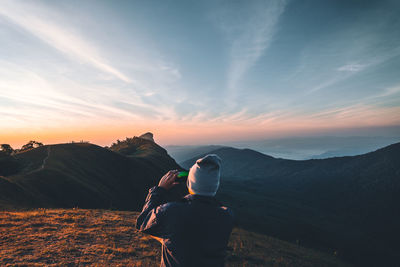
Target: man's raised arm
(151, 217)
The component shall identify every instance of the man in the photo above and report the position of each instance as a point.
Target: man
(195, 230)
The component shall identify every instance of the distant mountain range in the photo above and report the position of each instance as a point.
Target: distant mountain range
(298, 148)
(183, 153)
(347, 203)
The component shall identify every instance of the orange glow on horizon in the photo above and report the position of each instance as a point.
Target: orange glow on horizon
(212, 132)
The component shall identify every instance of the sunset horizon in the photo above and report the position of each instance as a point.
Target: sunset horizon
(107, 136)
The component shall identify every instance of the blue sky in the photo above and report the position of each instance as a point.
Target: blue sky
(194, 71)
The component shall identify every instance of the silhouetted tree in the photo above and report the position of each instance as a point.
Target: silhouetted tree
(6, 148)
(30, 145)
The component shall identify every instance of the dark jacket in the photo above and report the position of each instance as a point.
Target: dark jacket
(194, 230)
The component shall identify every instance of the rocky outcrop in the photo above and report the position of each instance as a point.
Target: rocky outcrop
(148, 136)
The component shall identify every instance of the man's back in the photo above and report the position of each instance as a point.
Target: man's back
(195, 230)
(201, 229)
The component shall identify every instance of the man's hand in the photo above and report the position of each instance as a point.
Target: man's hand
(169, 180)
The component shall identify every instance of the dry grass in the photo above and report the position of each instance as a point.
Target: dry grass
(77, 237)
(251, 249)
(74, 237)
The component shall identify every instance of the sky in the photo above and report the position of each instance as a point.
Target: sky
(195, 72)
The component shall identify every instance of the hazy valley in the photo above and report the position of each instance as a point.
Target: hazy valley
(297, 148)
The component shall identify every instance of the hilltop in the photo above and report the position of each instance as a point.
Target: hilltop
(55, 237)
(144, 149)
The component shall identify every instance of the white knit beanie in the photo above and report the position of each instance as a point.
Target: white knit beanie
(204, 176)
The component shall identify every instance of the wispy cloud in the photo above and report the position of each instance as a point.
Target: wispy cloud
(352, 67)
(250, 38)
(382, 95)
(30, 100)
(391, 91)
(349, 70)
(58, 37)
(26, 92)
(80, 85)
(359, 114)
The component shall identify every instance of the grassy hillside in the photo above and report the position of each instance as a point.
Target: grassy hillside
(55, 237)
(79, 174)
